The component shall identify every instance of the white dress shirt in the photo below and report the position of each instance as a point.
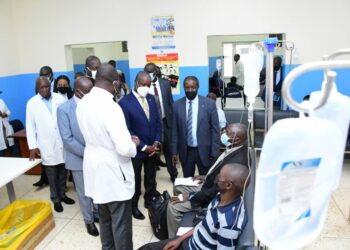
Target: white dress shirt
(151, 91)
(108, 171)
(139, 99)
(64, 96)
(238, 72)
(194, 118)
(278, 77)
(222, 118)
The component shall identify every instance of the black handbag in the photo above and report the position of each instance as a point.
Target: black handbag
(157, 215)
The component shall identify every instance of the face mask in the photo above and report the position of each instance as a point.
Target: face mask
(62, 90)
(152, 76)
(143, 90)
(225, 140)
(93, 74)
(191, 95)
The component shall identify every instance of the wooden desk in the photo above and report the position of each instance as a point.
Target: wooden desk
(11, 168)
(21, 138)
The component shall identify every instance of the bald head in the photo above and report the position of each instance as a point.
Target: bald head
(42, 86)
(237, 132)
(142, 75)
(93, 62)
(106, 78)
(106, 73)
(150, 68)
(212, 96)
(82, 86)
(236, 174)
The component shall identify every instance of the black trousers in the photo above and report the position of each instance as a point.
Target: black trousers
(57, 177)
(161, 244)
(172, 170)
(149, 168)
(193, 159)
(116, 225)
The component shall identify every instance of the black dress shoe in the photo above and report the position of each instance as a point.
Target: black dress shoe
(137, 214)
(58, 207)
(92, 229)
(67, 200)
(40, 183)
(161, 163)
(172, 178)
(96, 220)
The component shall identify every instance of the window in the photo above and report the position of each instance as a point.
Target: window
(230, 49)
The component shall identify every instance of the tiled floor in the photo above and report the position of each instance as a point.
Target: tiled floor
(70, 233)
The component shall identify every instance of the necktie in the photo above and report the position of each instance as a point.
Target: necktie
(155, 89)
(145, 106)
(189, 125)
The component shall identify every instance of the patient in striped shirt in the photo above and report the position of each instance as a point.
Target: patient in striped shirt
(225, 219)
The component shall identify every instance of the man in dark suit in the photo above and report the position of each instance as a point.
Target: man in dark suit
(142, 119)
(195, 130)
(161, 90)
(195, 198)
(74, 145)
(277, 82)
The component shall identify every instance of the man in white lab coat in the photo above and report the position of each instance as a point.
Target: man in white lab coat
(108, 172)
(44, 140)
(238, 72)
(5, 128)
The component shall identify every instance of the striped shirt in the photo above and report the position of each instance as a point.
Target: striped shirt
(221, 227)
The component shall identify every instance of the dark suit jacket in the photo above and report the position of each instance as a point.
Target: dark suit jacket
(208, 130)
(208, 190)
(168, 100)
(148, 131)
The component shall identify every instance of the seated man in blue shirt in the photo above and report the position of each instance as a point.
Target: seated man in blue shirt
(225, 219)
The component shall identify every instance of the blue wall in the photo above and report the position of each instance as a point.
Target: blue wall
(212, 65)
(18, 89)
(123, 65)
(309, 82)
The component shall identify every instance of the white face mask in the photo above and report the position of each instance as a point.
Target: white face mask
(93, 74)
(143, 90)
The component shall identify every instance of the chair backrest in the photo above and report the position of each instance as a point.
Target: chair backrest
(259, 123)
(232, 92)
(17, 125)
(236, 115)
(247, 238)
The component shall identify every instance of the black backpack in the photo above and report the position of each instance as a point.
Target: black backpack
(157, 215)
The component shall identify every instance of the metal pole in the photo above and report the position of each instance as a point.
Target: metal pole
(270, 47)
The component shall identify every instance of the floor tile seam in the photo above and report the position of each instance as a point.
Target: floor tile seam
(341, 211)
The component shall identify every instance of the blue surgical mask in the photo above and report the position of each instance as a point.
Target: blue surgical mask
(225, 140)
(152, 76)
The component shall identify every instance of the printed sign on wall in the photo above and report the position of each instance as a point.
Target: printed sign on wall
(169, 67)
(163, 31)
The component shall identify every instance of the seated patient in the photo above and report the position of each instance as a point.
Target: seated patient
(195, 198)
(225, 219)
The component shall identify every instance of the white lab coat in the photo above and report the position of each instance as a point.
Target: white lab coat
(108, 171)
(42, 129)
(238, 72)
(7, 125)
